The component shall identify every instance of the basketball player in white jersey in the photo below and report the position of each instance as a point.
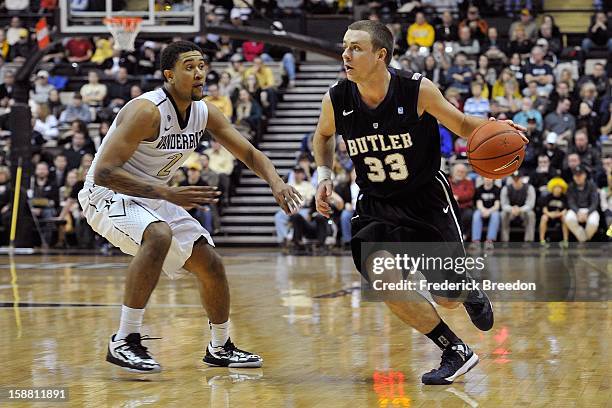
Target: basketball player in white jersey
(127, 200)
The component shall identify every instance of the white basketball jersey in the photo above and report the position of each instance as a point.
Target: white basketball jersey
(157, 161)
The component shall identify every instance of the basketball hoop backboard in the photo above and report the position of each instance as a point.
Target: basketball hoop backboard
(86, 18)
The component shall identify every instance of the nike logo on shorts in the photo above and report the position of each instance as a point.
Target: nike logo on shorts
(345, 113)
(445, 210)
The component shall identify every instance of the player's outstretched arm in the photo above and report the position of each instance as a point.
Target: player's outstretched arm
(286, 196)
(432, 101)
(324, 146)
(136, 122)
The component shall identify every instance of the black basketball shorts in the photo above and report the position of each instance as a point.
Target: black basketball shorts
(430, 214)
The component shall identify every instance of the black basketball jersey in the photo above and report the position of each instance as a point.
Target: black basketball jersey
(393, 149)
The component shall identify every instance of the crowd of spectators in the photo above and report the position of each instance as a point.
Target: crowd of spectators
(526, 75)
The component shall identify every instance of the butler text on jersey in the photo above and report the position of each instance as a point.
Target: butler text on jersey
(375, 143)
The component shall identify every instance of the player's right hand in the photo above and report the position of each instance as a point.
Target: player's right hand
(192, 196)
(324, 192)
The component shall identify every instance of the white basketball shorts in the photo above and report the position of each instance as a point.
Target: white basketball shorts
(122, 220)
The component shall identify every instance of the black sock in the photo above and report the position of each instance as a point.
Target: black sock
(443, 336)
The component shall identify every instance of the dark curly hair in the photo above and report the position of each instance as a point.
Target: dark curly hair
(171, 53)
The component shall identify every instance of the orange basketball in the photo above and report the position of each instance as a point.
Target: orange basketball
(495, 150)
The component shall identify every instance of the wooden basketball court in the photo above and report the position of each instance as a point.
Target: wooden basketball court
(322, 346)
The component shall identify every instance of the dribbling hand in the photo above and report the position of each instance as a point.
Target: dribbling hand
(192, 196)
(520, 128)
(324, 192)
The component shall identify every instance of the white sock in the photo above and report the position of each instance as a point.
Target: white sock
(131, 321)
(219, 333)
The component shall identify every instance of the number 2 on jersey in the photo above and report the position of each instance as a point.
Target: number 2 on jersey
(396, 162)
(165, 171)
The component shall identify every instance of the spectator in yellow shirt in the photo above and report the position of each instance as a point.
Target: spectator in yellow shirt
(421, 32)
(263, 73)
(221, 162)
(265, 79)
(222, 102)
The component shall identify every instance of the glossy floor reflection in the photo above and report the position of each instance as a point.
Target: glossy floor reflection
(323, 346)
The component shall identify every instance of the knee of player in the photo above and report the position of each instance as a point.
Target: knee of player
(158, 237)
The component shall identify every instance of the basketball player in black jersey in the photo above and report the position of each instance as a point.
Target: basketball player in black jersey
(388, 121)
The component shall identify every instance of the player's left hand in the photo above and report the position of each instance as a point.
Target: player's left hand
(287, 197)
(520, 128)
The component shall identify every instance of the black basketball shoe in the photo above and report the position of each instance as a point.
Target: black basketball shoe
(456, 361)
(229, 355)
(131, 355)
(480, 309)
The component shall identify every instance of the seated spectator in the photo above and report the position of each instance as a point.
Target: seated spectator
(119, 90)
(212, 76)
(561, 121)
(460, 75)
(588, 95)
(542, 174)
(520, 43)
(554, 209)
(487, 208)
(528, 24)
(74, 154)
(605, 171)
(22, 49)
(44, 199)
(539, 102)
(518, 201)
(476, 105)
(572, 161)
(539, 71)
(76, 110)
(420, 32)
(527, 112)
(148, 62)
(499, 88)
(599, 78)
(222, 102)
(441, 55)
(413, 60)
(14, 30)
(463, 190)
(46, 124)
(59, 170)
(534, 147)
(466, 44)
(135, 91)
(202, 213)
(348, 191)
(476, 24)
(567, 77)
(5, 47)
(582, 201)
(252, 86)
(281, 220)
(549, 20)
(493, 47)
(42, 87)
(236, 70)
(93, 92)
(221, 162)
(104, 49)
(488, 73)
(433, 72)
(599, 34)
(589, 155)
(561, 91)
(67, 230)
(227, 87)
(516, 66)
(55, 104)
(447, 31)
(549, 56)
(248, 113)
(555, 46)
(266, 81)
(120, 59)
(605, 199)
(79, 49)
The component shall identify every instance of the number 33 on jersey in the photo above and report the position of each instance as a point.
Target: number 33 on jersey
(393, 149)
